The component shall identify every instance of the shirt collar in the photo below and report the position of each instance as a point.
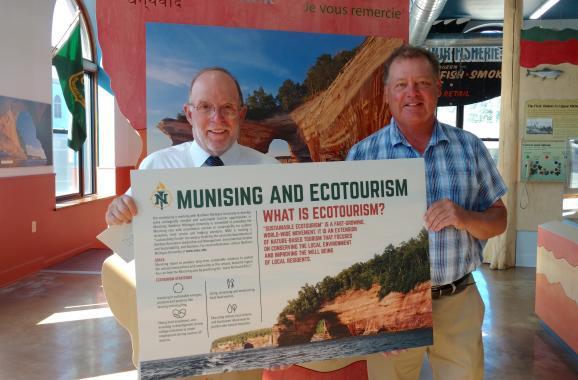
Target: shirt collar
(396, 137)
(438, 135)
(230, 157)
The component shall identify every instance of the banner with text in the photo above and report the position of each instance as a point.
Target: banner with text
(469, 74)
(239, 269)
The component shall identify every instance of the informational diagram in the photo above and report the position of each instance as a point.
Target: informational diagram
(544, 161)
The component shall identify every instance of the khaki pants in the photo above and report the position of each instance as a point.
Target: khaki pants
(457, 353)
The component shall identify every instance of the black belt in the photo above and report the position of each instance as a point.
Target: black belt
(452, 288)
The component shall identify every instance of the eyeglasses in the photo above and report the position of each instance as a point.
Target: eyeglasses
(228, 110)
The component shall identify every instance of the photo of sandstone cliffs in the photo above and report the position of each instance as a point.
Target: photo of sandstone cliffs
(388, 294)
(320, 116)
(25, 133)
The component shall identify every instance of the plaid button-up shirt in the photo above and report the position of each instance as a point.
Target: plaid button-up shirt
(458, 167)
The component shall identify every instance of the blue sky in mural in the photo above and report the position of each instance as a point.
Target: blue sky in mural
(256, 57)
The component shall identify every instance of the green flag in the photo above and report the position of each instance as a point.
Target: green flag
(68, 63)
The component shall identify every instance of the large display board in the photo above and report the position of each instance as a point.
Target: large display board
(239, 269)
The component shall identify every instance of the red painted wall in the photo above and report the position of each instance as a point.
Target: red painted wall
(122, 178)
(60, 233)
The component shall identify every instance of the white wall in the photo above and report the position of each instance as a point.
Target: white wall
(25, 60)
(128, 147)
(25, 73)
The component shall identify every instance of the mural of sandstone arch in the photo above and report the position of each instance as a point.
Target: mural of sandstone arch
(12, 146)
(122, 37)
(255, 134)
(326, 126)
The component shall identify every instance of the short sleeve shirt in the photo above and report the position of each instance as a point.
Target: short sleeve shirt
(458, 167)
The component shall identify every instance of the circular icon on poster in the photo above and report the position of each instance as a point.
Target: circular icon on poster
(178, 287)
(232, 308)
(179, 313)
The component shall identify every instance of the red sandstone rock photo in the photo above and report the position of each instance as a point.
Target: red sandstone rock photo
(389, 294)
(327, 124)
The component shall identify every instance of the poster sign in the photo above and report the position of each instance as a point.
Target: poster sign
(25, 133)
(551, 119)
(544, 161)
(239, 269)
(469, 74)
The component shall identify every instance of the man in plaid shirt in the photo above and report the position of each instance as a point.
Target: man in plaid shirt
(464, 210)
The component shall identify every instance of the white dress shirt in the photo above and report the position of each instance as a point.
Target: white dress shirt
(191, 155)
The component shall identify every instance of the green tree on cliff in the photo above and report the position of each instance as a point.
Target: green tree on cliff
(291, 95)
(261, 105)
(405, 266)
(397, 269)
(325, 70)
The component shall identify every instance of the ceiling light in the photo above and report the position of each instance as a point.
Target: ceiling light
(543, 9)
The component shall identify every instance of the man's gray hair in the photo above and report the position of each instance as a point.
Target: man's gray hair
(411, 52)
(224, 71)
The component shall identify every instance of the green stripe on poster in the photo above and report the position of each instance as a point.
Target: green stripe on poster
(541, 34)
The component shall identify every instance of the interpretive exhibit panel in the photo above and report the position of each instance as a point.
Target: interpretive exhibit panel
(238, 268)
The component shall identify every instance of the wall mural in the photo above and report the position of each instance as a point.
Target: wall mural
(336, 78)
(152, 49)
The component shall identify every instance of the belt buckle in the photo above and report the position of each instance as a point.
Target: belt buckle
(437, 293)
(454, 287)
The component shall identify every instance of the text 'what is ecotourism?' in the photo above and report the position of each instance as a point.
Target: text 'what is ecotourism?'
(286, 241)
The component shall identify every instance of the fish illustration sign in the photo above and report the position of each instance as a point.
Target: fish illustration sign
(544, 73)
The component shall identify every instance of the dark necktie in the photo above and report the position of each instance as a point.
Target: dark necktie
(214, 161)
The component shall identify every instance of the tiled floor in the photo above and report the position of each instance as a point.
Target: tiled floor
(56, 325)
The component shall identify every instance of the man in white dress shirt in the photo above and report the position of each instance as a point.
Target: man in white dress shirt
(215, 111)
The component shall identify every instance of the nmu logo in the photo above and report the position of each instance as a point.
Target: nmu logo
(162, 197)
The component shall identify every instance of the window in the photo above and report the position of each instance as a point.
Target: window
(75, 171)
(573, 165)
(482, 119)
(448, 115)
(57, 107)
(570, 197)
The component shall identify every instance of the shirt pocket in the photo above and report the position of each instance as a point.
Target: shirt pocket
(461, 186)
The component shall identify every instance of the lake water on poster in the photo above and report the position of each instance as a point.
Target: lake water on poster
(243, 360)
